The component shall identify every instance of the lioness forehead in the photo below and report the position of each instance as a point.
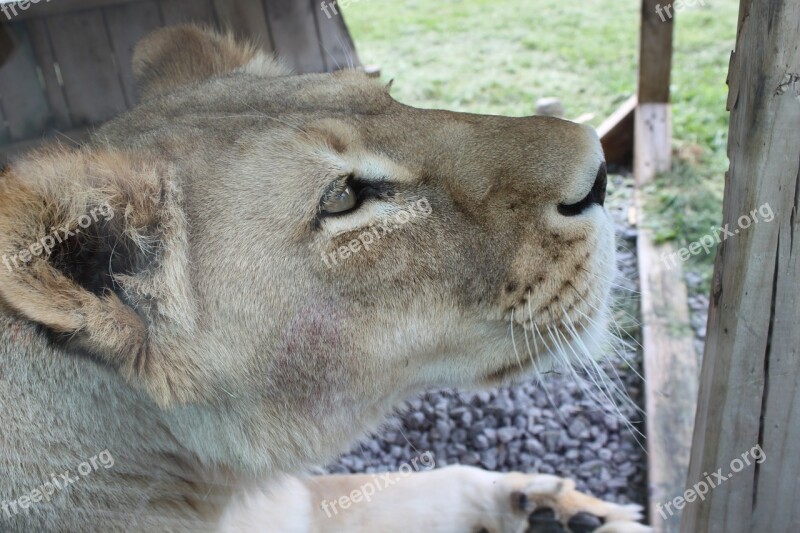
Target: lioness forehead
(231, 102)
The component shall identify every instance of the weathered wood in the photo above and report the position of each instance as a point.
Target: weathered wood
(91, 81)
(127, 24)
(83, 51)
(616, 134)
(59, 7)
(338, 50)
(24, 105)
(43, 49)
(750, 383)
(671, 370)
(5, 136)
(652, 141)
(655, 51)
(246, 19)
(180, 11)
(294, 33)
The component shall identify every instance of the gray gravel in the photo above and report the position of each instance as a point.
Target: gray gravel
(552, 427)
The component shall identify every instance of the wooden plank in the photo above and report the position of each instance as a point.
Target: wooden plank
(294, 34)
(246, 19)
(45, 8)
(25, 107)
(338, 50)
(671, 371)
(5, 136)
(180, 11)
(92, 83)
(652, 142)
(6, 48)
(127, 24)
(616, 134)
(655, 51)
(750, 383)
(54, 92)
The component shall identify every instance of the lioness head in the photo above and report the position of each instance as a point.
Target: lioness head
(278, 260)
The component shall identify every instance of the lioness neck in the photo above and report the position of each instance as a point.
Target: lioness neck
(87, 449)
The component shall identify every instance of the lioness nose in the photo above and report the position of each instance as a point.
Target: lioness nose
(596, 196)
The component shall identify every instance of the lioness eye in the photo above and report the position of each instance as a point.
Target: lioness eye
(345, 200)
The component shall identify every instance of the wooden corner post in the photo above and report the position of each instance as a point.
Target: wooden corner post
(653, 124)
(747, 435)
(671, 365)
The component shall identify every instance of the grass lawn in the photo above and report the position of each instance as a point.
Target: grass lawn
(500, 56)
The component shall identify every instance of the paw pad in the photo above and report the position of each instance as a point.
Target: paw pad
(544, 520)
(584, 523)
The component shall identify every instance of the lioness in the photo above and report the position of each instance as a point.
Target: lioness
(190, 316)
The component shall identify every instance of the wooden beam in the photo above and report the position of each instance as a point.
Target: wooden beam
(670, 361)
(655, 51)
(671, 370)
(750, 383)
(247, 19)
(652, 147)
(652, 142)
(616, 134)
(14, 11)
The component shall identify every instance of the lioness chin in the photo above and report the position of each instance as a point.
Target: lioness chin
(244, 274)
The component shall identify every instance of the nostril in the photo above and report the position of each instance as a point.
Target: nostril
(599, 188)
(596, 196)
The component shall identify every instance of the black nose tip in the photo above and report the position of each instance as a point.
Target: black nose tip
(596, 196)
(598, 193)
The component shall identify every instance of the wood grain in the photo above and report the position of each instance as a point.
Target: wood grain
(338, 50)
(671, 371)
(25, 107)
(247, 19)
(750, 383)
(127, 24)
(294, 33)
(655, 51)
(92, 84)
(180, 11)
(616, 134)
(43, 50)
(652, 151)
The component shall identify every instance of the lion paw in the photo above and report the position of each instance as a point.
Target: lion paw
(550, 504)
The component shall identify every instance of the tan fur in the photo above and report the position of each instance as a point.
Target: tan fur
(199, 336)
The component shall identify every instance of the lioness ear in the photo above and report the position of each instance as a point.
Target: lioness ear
(93, 246)
(180, 55)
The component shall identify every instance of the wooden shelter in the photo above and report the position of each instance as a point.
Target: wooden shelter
(65, 65)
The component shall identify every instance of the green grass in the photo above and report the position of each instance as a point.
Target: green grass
(500, 56)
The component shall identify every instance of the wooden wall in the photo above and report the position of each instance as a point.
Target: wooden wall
(66, 64)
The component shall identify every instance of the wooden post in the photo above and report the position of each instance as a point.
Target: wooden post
(653, 122)
(750, 384)
(671, 364)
